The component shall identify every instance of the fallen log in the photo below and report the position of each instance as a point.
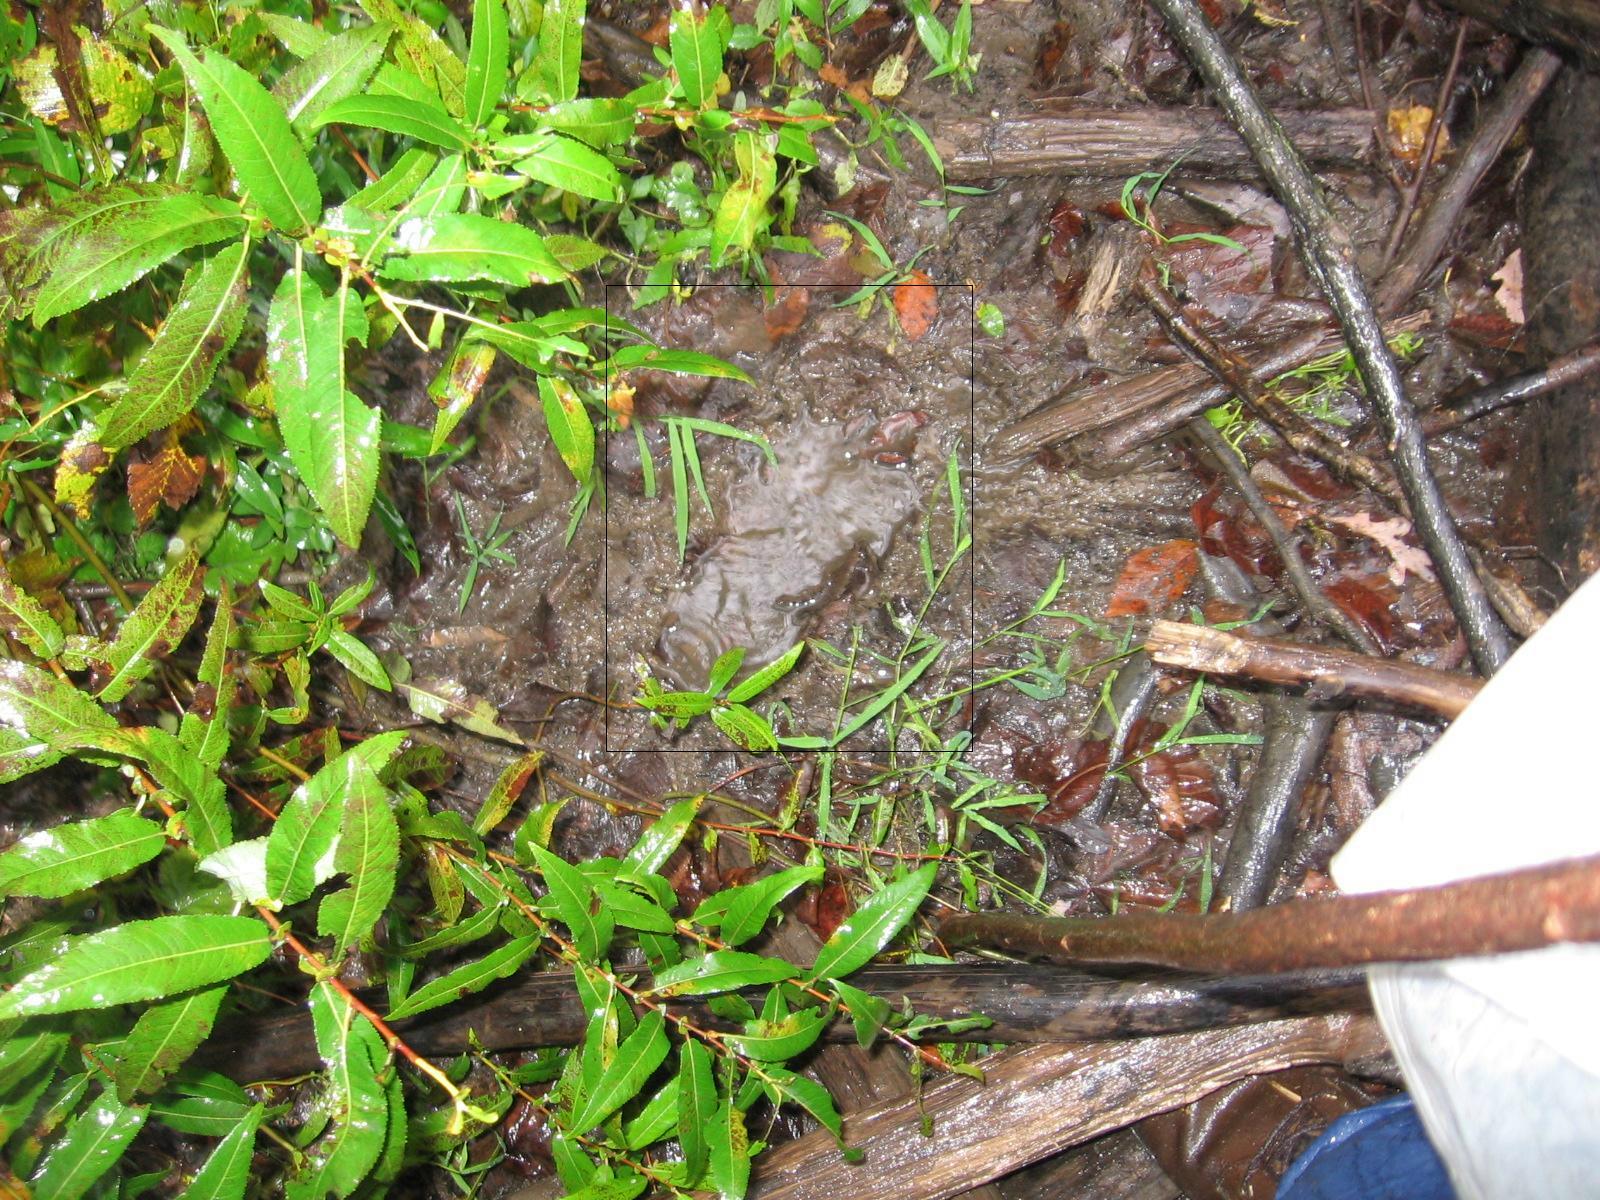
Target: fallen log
(1037, 1101)
(1110, 143)
(1025, 1002)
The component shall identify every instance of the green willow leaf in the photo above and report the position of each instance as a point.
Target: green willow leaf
(637, 1058)
(162, 1040)
(331, 436)
(68, 858)
(697, 1101)
(91, 1146)
(340, 67)
(463, 247)
(873, 926)
(568, 164)
(809, 1095)
(204, 730)
(42, 717)
(199, 330)
(423, 54)
(354, 656)
(25, 619)
(140, 960)
(226, 1172)
(739, 913)
(599, 121)
(570, 428)
(369, 854)
(300, 848)
(780, 1040)
(721, 971)
(420, 122)
(767, 675)
(747, 728)
(469, 978)
(553, 76)
(571, 897)
(657, 843)
(114, 253)
(355, 1101)
(254, 133)
(696, 45)
(155, 627)
(399, 183)
(729, 1165)
(867, 1012)
(486, 59)
(33, 238)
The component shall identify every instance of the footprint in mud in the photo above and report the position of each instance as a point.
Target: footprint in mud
(792, 538)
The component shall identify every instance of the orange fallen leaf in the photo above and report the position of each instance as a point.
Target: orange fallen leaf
(916, 301)
(1153, 578)
(829, 73)
(170, 476)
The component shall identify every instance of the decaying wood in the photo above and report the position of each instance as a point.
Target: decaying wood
(1036, 1101)
(1571, 25)
(1494, 914)
(1325, 248)
(1026, 1002)
(1115, 1166)
(1329, 672)
(1482, 151)
(1111, 143)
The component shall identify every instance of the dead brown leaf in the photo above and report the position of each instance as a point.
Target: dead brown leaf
(172, 476)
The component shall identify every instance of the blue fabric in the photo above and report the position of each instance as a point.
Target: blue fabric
(1379, 1153)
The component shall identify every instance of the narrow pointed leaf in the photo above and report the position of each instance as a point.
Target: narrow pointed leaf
(867, 1012)
(873, 926)
(420, 122)
(640, 1053)
(768, 675)
(696, 53)
(59, 861)
(486, 59)
(300, 849)
(114, 253)
(356, 1102)
(154, 628)
(553, 77)
(658, 842)
(780, 1040)
(340, 67)
(140, 960)
(462, 247)
(567, 163)
(332, 437)
(25, 619)
(204, 731)
(369, 853)
(41, 717)
(91, 1146)
(747, 728)
(697, 1101)
(571, 897)
(444, 700)
(254, 133)
(729, 1152)
(162, 1040)
(569, 425)
(226, 1172)
(721, 971)
(809, 1095)
(739, 913)
(199, 330)
(469, 978)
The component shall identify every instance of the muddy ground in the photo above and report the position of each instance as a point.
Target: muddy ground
(864, 419)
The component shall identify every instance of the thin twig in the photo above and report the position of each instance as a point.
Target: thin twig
(1408, 205)
(1325, 247)
(1569, 368)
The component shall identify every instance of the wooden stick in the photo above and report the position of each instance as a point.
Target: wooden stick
(1110, 143)
(1494, 914)
(1035, 1102)
(1572, 25)
(1329, 672)
(1569, 368)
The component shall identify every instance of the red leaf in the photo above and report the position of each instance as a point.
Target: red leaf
(916, 301)
(1153, 578)
(170, 476)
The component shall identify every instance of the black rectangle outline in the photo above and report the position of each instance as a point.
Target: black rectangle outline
(972, 519)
